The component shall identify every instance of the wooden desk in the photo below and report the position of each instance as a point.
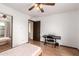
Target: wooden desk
(51, 38)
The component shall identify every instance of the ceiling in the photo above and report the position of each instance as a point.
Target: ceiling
(58, 8)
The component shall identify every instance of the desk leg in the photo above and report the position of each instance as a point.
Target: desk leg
(45, 41)
(55, 43)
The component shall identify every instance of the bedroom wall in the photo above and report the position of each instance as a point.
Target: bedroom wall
(20, 25)
(77, 29)
(65, 25)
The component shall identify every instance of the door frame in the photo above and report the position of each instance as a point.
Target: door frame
(11, 31)
(28, 27)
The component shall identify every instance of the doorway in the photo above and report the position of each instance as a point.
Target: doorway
(33, 30)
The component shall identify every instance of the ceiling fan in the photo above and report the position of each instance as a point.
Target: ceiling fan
(39, 6)
(3, 16)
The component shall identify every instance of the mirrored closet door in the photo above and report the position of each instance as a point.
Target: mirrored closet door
(5, 32)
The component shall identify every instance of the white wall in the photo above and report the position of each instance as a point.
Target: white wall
(20, 25)
(65, 25)
(77, 29)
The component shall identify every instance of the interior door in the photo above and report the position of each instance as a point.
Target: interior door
(36, 31)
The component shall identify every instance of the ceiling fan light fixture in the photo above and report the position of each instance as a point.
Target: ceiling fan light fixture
(41, 6)
(4, 16)
(36, 5)
(37, 8)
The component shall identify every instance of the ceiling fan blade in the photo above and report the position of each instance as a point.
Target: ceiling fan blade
(41, 9)
(50, 4)
(31, 8)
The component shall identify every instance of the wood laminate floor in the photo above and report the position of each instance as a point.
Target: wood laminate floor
(48, 50)
(4, 47)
